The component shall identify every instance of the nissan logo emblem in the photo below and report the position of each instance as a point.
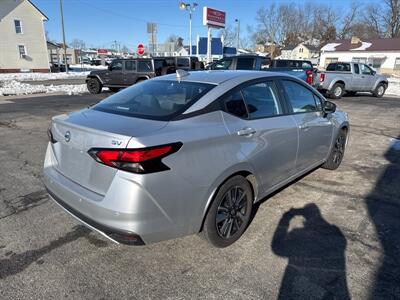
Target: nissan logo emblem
(67, 136)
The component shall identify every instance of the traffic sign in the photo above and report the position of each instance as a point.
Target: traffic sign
(140, 49)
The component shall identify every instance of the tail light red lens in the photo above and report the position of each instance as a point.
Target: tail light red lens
(322, 77)
(309, 79)
(146, 160)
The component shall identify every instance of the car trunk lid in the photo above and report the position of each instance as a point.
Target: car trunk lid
(79, 132)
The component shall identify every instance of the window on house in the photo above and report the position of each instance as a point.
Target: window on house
(362, 60)
(301, 50)
(18, 26)
(397, 63)
(329, 60)
(22, 51)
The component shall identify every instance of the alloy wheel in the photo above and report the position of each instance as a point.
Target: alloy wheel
(339, 149)
(231, 212)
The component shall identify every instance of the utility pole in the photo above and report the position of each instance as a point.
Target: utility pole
(63, 34)
(237, 34)
(189, 7)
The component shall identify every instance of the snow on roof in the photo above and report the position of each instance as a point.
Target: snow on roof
(364, 46)
(330, 47)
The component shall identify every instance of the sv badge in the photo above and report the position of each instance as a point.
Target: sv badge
(116, 143)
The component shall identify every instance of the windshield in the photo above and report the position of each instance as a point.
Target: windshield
(154, 99)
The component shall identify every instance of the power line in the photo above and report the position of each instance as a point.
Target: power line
(130, 17)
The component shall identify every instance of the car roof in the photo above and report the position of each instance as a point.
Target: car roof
(219, 76)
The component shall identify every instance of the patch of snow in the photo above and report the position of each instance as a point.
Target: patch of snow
(330, 47)
(86, 67)
(13, 87)
(41, 76)
(364, 46)
(395, 144)
(393, 87)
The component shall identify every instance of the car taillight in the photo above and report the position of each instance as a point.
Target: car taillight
(145, 160)
(309, 79)
(322, 77)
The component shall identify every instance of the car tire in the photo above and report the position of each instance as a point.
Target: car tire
(230, 212)
(379, 90)
(114, 89)
(337, 152)
(337, 91)
(94, 86)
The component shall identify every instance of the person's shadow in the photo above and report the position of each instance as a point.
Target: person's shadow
(316, 253)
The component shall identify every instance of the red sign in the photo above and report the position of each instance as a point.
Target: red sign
(140, 49)
(102, 51)
(213, 17)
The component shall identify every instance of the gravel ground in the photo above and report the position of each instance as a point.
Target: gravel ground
(342, 241)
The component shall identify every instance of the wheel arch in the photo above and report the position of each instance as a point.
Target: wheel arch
(94, 77)
(247, 174)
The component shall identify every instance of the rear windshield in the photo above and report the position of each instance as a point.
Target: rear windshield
(154, 99)
(340, 67)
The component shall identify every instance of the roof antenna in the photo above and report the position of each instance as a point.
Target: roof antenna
(181, 73)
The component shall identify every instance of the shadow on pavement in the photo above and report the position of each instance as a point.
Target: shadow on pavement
(316, 268)
(383, 205)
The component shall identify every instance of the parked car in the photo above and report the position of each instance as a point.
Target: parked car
(189, 152)
(302, 69)
(124, 72)
(349, 77)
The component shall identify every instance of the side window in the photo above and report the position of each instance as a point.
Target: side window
(223, 64)
(130, 65)
(144, 66)
(365, 70)
(245, 63)
(261, 100)
(182, 63)
(116, 65)
(301, 98)
(235, 105)
(265, 64)
(356, 69)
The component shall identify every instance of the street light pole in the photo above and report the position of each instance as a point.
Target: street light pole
(238, 34)
(63, 34)
(189, 7)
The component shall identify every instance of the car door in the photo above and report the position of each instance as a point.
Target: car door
(315, 128)
(368, 77)
(357, 82)
(115, 74)
(130, 74)
(267, 136)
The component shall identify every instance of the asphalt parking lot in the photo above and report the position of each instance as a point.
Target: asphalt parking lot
(352, 213)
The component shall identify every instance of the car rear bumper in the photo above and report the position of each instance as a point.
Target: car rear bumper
(115, 235)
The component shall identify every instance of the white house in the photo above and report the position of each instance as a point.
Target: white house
(302, 51)
(382, 54)
(22, 37)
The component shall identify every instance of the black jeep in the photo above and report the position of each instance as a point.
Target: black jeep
(124, 72)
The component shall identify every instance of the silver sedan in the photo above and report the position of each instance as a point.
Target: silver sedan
(189, 152)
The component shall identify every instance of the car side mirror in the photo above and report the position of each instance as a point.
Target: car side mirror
(373, 73)
(329, 107)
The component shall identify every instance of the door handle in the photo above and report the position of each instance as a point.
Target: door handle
(246, 131)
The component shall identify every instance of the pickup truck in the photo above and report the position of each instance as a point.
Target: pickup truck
(302, 69)
(350, 78)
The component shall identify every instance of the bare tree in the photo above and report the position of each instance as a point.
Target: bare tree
(229, 35)
(269, 26)
(77, 44)
(125, 49)
(348, 22)
(392, 18)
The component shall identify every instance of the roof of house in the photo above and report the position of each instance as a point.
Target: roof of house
(29, 1)
(288, 47)
(310, 47)
(367, 45)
